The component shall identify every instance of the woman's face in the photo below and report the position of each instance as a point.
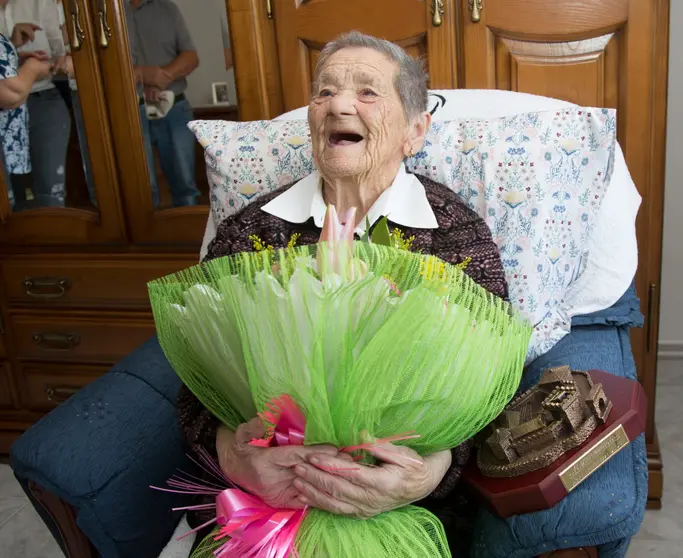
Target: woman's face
(356, 117)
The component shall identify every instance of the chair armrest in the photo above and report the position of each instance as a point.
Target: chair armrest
(101, 450)
(608, 507)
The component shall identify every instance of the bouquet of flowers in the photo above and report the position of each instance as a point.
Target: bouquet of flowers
(339, 343)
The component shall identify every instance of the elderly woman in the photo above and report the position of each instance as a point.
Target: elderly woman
(367, 115)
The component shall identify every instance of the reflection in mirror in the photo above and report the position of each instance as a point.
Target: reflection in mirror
(182, 62)
(45, 156)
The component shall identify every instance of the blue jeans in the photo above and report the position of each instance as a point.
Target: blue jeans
(175, 144)
(49, 130)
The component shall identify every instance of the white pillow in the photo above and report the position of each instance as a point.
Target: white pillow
(612, 247)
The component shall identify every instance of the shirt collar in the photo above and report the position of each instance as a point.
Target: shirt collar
(404, 203)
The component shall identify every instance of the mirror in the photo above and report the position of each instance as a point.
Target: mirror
(45, 159)
(182, 62)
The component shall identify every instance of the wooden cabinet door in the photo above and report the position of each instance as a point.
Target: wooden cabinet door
(610, 53)
(274, 64)
(71, 194)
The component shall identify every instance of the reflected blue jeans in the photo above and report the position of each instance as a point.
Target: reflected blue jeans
(175, 144)
(49, 125)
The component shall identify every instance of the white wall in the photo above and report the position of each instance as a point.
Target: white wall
(671, 320)
(203, 18)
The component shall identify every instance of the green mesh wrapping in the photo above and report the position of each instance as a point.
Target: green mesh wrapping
(392, 342)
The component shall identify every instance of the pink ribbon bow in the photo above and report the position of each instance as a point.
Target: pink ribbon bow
(255, 529)
(287, 424)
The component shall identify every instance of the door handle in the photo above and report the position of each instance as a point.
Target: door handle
(437, 12)
(476, 6)
(77, 34)
(103, 29)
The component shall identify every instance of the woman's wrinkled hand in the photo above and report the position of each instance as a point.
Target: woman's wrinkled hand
(402, 477)
(265, 472)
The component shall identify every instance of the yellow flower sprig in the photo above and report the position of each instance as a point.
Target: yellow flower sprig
(433, 268)
(463, 264)
(259, 245)
(293, 240)
(399, 240)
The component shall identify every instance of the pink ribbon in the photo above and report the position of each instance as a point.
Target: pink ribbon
(255, 529)
(287, 424)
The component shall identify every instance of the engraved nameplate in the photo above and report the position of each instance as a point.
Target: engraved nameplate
(573, 475)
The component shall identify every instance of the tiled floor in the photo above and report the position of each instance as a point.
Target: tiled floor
(23, 535)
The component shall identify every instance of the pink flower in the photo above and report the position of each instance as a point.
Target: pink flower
(337, 254)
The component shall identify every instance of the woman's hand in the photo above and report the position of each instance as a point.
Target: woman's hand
(266, 472)
(40, 55)
(402, 477)
(24, 33)
(37, 67)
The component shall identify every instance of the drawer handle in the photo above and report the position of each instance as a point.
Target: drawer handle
(47, 287)
(57, 341)
(59, 394)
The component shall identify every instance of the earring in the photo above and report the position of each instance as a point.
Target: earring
(412, 153)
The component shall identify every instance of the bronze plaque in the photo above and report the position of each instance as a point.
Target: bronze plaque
(573, 475)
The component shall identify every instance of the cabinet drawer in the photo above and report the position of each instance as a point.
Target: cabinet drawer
(5, 393)
(85, 284)
(46, 386)
(91, 337)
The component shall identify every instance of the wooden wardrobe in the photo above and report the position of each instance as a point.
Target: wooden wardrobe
(611, 53)
(73, 279)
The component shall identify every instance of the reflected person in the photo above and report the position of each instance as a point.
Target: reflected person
(17, 76)
(163, 56)
(49, 119)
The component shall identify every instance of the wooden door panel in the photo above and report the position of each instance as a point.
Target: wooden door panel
(552, 19)
(609, 53)
(582, 72)
(303, 28)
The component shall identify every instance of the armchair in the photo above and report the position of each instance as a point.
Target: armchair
(88, 465)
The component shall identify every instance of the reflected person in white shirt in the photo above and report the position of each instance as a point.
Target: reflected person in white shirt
(49, 119)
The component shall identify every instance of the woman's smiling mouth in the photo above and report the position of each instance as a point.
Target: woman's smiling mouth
(342, 139)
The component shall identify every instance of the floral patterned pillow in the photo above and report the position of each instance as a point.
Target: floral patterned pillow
(537, 179)
(246, 160)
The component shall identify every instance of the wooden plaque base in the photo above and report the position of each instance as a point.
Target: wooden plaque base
(544, 488)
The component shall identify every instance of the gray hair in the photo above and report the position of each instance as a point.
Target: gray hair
(411, 78)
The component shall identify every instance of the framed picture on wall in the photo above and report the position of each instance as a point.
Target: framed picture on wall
(220, 93)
